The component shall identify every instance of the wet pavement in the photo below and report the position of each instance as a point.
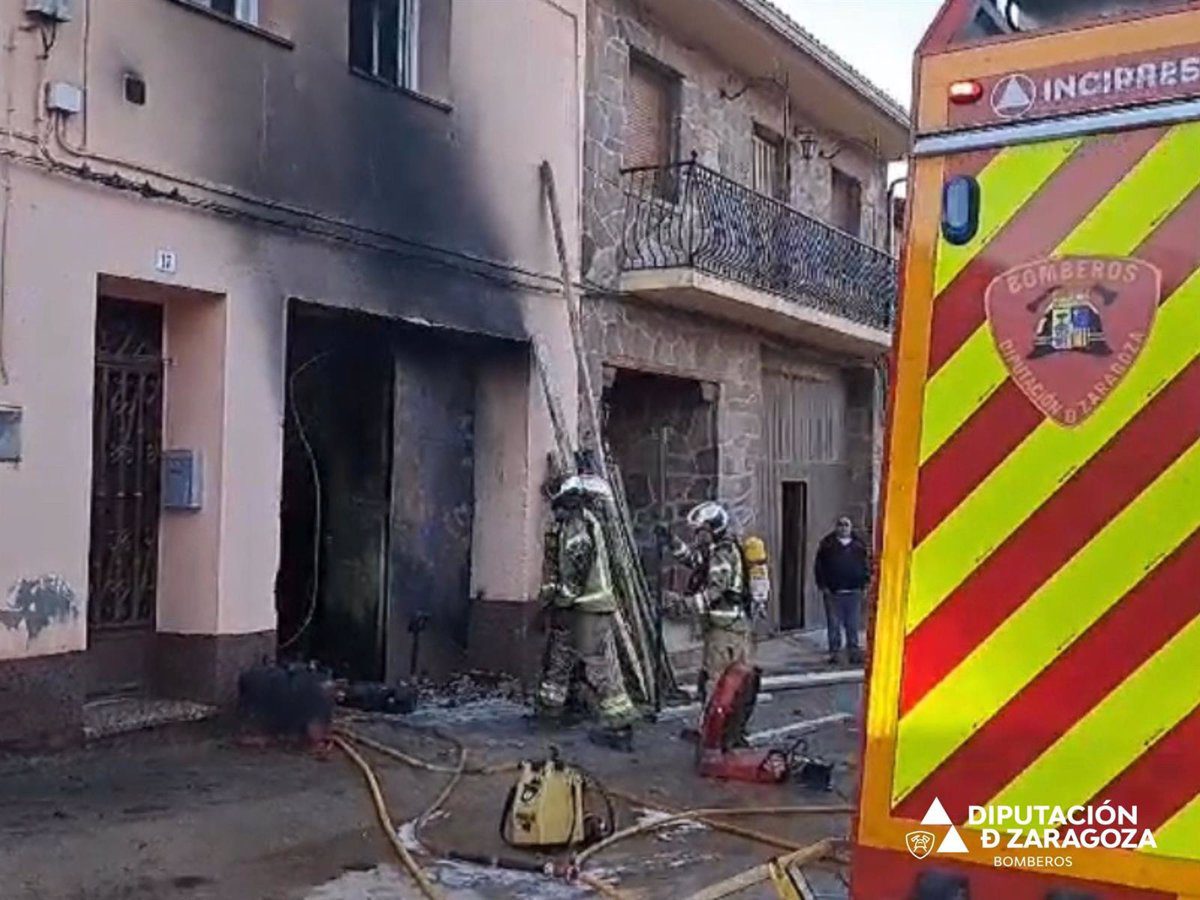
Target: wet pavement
(188, 813)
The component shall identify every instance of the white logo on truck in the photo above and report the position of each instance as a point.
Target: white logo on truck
(1013, 96)
(920, 843)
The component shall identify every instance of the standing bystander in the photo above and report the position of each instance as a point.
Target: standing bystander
(842, 571)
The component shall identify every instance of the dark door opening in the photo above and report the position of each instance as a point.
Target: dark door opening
(793, 561)
(334, 510)
(127, 433)
(378, 495)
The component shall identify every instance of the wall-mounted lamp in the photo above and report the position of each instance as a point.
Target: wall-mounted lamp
(810, 148)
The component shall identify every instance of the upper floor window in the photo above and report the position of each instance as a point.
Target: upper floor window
(383, 40)
(769, 174)
(651, 115)
(845, 208)
(242, 10)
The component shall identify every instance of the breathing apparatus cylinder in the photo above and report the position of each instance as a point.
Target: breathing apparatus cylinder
(757, 574)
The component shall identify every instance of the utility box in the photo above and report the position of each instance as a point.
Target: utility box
(63, 97)
(10, 434)
(54, 10)
(182, 482)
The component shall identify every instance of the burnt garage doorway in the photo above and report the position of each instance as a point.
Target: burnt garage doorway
(662, 432)
(378, 495)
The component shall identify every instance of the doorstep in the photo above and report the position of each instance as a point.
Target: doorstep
(111, 716)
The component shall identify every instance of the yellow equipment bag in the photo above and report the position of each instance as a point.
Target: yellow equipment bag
(546, 807)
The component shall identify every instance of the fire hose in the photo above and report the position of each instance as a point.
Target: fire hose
(341, 739)
(572, 871)
(385, 820)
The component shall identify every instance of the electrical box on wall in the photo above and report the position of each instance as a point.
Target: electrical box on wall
(10, 434)
(182, 487)
(55, 10)
(63, 97)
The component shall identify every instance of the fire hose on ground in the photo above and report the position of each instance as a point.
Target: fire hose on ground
(341, 739)
(709, 816)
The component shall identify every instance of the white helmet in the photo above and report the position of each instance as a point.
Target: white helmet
(592, 486)
(710, 515)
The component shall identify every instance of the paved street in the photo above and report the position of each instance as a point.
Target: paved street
(190, 814)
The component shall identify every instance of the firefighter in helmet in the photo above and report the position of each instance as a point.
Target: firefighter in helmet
(717, 592)
(582, 604)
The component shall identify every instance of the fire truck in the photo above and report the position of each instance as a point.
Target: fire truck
(1033, 694)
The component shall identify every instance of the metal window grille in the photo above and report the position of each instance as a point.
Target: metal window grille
(713, 224)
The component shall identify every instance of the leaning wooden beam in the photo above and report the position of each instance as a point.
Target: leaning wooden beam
(590, 435)
(759, 874)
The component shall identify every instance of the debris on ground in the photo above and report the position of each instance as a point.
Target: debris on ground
(375, 697)
(469, 687)
(292, 701)
(648, 817)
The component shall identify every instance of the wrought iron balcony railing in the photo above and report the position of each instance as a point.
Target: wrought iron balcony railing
(687, 215)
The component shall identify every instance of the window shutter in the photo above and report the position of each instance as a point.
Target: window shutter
(768, 170)
(433, 51)
(648, 134)
(846, 203)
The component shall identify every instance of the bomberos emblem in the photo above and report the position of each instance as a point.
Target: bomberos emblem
(1069, 329)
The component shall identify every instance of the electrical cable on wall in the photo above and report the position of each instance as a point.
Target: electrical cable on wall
(10, 46)
(314, 584)
(289, 209)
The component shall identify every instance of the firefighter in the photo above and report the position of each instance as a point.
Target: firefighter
(581, 603)
(717, 592)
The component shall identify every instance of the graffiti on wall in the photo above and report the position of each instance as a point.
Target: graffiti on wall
(38, 615)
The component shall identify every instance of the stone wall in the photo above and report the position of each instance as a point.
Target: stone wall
(628, 334)
(861, 431)
(717, 118)
(724, 362)
(663, 433)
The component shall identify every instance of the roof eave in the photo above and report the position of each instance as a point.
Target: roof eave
(891, 111)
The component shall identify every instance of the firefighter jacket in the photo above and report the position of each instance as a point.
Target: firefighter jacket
(718, 594)
(584, 580)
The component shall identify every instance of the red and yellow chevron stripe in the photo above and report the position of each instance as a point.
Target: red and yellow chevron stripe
(1037, 640)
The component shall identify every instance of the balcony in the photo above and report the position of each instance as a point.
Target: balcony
(697, 240)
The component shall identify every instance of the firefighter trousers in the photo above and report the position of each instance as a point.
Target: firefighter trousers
(583, 642)
(723, 646)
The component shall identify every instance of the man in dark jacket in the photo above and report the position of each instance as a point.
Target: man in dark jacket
(842, 571)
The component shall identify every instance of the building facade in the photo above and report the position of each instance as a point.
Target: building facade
(736, 251)
(271, 274)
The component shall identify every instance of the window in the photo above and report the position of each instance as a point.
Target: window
(769, 174)
(383, 40)
(242, 10)
(846, 204)
(650, 129)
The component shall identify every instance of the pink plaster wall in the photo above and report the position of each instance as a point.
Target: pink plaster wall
(516, 72)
